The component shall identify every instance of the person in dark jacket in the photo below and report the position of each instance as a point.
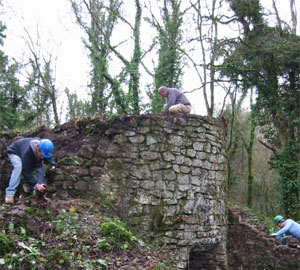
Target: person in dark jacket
(176, 100)
(27, 156)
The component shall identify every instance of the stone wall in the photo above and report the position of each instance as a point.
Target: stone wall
(163, 174)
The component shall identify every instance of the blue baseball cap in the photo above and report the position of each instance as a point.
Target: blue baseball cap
(46, 147)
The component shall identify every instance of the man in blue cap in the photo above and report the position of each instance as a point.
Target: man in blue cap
(288, 229)
(27, 156)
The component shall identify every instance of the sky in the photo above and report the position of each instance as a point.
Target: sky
(62, 37)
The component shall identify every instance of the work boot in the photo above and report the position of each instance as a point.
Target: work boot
(9, 199)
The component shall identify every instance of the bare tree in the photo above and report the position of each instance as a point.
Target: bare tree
(293, 11)
(76, 107)
(42, 79)
(207, 18)
(293, 16)
(277, 14)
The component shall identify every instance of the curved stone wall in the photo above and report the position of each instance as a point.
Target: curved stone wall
(163, 174)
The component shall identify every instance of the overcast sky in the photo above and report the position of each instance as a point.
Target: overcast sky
(63, 39)
(60, 36)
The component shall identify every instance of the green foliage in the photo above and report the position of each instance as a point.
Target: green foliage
(28, 254)
(266, 60)
(287, 164)
(6, 244)
(116, 235)
(57, 253)
(31, 249)
(104, 244)
(247, 11)
(42, 239)
(107, 89)
(13, 102)
(67, 224)
(233, 146)
(39, 213)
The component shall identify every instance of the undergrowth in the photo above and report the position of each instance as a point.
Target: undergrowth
(74, 237)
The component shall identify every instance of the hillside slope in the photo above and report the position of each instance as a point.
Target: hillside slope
(38, 234)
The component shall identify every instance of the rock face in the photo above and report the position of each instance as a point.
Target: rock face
(163, 174)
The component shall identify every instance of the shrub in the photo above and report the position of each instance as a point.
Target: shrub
(116, 235)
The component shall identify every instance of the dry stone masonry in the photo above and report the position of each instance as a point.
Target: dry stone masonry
(163, 174)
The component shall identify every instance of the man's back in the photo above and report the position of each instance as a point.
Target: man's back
(176, 97)
(290, 227)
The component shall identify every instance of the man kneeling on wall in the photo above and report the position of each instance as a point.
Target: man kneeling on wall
(177, 102)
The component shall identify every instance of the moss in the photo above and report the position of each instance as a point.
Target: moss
(112, 118)
(104, 202)
(157, 219)
(90, 124)
(137, 220)
(68, 161)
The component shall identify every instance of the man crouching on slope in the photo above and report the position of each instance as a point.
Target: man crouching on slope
(27, 157)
